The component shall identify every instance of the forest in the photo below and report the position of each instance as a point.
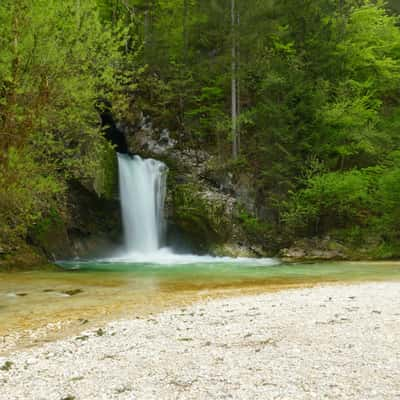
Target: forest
(301, 95)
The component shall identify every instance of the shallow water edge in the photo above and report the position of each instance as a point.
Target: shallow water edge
(46, 305)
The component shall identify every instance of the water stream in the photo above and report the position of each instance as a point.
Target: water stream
(142, 186)
(147, 277)
(92, 292)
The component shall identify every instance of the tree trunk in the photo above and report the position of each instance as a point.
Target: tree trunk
(233, 82)
(185, 30)
(147, 30)
(238, 83)
(185, 43)
(78, 13)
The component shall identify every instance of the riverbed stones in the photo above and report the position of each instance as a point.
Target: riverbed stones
(273, 346)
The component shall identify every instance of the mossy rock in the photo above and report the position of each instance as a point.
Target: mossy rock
(233, 250)
(25, 258)
(205, 221)
(50, 235)
(106, 180)
(94, 223)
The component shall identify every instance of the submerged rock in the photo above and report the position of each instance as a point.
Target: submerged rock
(73, 292)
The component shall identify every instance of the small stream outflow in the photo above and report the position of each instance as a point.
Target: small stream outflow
(142, 187)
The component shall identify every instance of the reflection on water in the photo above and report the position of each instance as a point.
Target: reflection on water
(103, 290)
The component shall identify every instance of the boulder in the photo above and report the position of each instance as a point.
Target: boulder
(314, 249)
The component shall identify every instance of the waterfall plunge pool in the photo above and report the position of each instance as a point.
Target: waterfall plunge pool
(89, 293)
(145, 277)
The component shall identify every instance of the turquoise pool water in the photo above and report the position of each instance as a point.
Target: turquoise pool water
(102, 290)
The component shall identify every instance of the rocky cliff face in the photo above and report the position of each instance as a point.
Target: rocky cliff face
(207, 208)
(204, 205)
(90, 226)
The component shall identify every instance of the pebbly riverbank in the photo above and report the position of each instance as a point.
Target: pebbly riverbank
(327, 342)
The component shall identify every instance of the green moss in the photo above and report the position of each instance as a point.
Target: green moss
(204, 220)
(100, 332)
(41, 229)
(382, 251)
(252, 225)
(6, 366)
(232, 250)
(387, 251)
(50, 235)
(364, 243)
(25, 258)
(106, 179)
(73, 292)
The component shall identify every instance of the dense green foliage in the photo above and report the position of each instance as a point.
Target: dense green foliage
(317, 109)
(57, 61)
(318, 105)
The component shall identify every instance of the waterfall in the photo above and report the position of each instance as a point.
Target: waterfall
(142, 186)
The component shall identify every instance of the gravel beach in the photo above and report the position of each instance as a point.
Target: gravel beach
(327, 342)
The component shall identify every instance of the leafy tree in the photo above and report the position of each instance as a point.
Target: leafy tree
(57, 60)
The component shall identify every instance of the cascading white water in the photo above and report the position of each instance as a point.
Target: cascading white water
(142, 186)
